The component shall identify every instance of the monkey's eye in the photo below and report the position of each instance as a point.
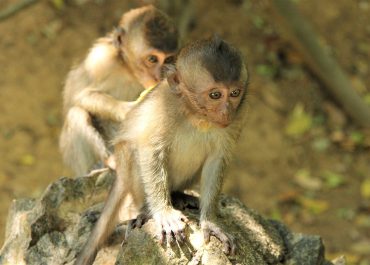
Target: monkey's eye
(235, 93)
(215, 95)
(152, 59)
(169, 59)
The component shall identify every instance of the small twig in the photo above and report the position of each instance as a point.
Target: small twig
(12, 9)
(320, 62)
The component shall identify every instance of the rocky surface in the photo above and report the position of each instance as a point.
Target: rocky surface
(52, 229)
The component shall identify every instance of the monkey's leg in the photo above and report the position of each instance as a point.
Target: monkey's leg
(81, 144)
(171, 223)
(211, 182)
(108, 218)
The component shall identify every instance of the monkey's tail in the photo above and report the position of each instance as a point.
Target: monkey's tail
(80, 143)
(108, 218)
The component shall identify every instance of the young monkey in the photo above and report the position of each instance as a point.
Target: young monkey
(182, 132)
(117, 68)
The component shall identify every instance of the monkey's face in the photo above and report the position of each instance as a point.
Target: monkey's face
(217, 102)
(153, 66)
(146, 62)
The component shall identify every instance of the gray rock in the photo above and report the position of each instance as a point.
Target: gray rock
(53, 229)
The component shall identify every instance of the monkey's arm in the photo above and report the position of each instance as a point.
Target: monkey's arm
(211, 183)
(103, 105)
(156, 185)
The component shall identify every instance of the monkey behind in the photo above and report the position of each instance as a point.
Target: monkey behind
(117, 68)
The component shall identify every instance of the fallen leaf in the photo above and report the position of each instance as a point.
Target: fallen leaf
(304, 179)
(27, 160)
(299, 121)
(357, 137)
(265, 70)
(321, 144)
(346, 213)
(365, 188)
(275, 214)
(363, 220)
(337, 136)
(332, 179)
(59, 4)
(288, 196)
(314, 206)
(350, 258)
(367, 98)
(258, 22)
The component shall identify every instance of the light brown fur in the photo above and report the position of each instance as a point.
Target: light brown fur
(163, 147)
(115, 70)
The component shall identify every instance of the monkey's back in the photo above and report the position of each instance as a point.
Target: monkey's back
(101, 71)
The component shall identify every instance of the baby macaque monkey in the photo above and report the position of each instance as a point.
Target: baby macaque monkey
(181, 133)
(117, 68)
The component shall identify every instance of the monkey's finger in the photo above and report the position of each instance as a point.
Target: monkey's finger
(161, 236)
(184, 219)
(169, 238)
(179, 236)
(183, 235)
(206, 235)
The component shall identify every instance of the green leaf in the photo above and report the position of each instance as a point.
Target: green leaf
(365, 188)
(321, 144)
(357, 137)
(265, 70)
(299, 122)
(59, 4)
(332, 179)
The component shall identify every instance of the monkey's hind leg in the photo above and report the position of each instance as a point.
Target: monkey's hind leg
(80, 143)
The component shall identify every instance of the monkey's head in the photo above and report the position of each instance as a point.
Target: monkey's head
(212, 78)
(147, 40)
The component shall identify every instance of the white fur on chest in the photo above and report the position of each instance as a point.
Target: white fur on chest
(189, 149)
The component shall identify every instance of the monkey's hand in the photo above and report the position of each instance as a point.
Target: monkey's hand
(210, 228)
(111, 162)
(171, 224)
(122, 109)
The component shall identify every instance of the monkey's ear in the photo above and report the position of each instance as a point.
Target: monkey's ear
(173, 81)
(118, 36)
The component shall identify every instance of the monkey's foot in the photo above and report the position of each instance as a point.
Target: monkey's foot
(182, 201)
(138, 222)
(111, 162)
(209, 228)
(172, 225)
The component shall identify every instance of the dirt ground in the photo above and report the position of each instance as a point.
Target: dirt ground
(300, 159)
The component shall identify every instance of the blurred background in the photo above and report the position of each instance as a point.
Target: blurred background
(301, 158)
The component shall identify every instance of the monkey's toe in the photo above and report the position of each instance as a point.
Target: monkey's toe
(138, 222)
(228, 242)
(172, 225)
